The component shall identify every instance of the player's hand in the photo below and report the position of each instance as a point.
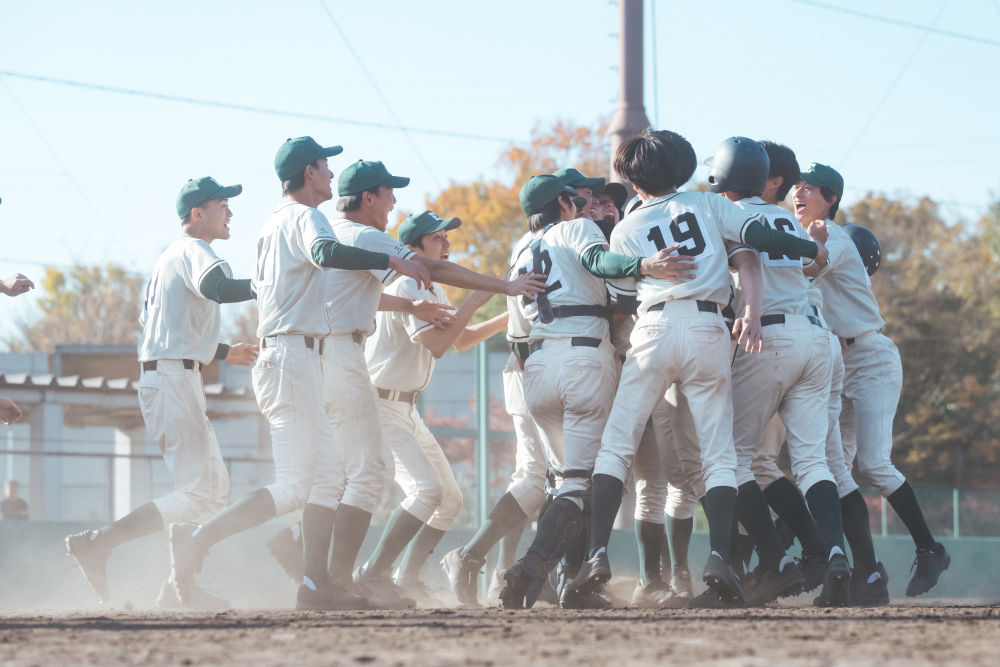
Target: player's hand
(667, 266)
(817, 231)
(748, 332)
(16, 284)
(411, 268)
(527, 284)
(242, 354)
(9, 412)
(438, 314)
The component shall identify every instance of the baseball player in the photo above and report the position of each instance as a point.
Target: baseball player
(569, 373)
(16, 285)
(400, 358)
(181, 321)
(873, 374)
(679, 336)
(343, 498)
(294, 249)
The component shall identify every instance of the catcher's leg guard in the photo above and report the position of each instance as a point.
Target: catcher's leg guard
(560, 524)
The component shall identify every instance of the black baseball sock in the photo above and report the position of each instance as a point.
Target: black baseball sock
(824, 503)
(505, 515)
(249, 511)
(679, 535)
(905, 503)
(751, 508)
(720, 508)
(509, 545)
(576, 545)
(421, 548)
(349, 530)
(605, 498)
(854, 512)
(317, 531)
(650, 538)
(786, 501)
(400, 529)
(143, 520)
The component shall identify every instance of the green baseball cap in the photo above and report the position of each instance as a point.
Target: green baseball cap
(296, 154)
(415, 226)
(574, 178)
(365, 175)
(824, 177)
(540, 191)
(197, 191)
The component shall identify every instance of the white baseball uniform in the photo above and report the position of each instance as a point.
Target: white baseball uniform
(180, 333)
(400, 368)
(873, 372)
(351, 304)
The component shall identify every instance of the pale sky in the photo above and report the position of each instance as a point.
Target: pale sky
(901, 97)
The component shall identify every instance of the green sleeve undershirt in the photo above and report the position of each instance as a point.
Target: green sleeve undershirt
(766, 239)
(603, 263)
(221, 289)
(331, 254)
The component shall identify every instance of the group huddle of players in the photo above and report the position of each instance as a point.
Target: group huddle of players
(680, 338)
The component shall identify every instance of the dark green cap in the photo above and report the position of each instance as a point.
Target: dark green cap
(365, 175)
(824, 177)
(573, 178)
(297, 154)
(197, 191)
(540, 191)
(415, 226)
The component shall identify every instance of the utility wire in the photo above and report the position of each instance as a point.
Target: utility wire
(378, 91)
(892, 86)
(656, 78)
(897, 22)
(247, 107)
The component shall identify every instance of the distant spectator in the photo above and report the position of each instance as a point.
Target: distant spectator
(13, 507)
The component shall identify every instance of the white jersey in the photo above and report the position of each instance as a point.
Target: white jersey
(558, 253)
(179, 322)
(849, 304)
(352, 296)
(293, 304)
(395, 358)
(702, 223)
(784, 286)
(518, 328)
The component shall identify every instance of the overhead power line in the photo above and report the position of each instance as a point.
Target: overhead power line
(182, 99)
(897, 22)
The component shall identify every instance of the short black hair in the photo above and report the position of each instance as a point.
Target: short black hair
(417, 242)
(784, 164)
(297, 181)
(551, 213)
(649, 162)
(829, 195)
(353, 202)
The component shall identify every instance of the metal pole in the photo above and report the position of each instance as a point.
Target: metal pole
(885, 518)
(954, 512)
(630, 117)
(482, 432)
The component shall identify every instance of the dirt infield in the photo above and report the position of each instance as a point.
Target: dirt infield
(908, 635)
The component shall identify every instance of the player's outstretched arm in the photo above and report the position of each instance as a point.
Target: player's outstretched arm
(603, 263)
(766, 239)
(9, 412)
(16, 285)
(438, 314)
(438, 341)
(411, 268)
(452, 274)
(222, 289)
(474, 334)
(747, 327)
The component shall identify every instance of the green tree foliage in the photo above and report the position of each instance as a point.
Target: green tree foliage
(83, 305)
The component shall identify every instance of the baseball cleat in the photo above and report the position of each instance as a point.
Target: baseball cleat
(463, 575)
(286, 547)
(721, 579)
(593, 574)
(520, 590)
(382, 592)
(92, 558)
(571, 599)
(421, 592)
(496, 583)
(769, 586)
(868, 593)
(328, 597)
(657, 595)
(836, 584)
(930, 563)
(813, 569)
(680, 583)
(185, 560)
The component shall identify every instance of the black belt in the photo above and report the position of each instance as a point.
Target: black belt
(189, 365)
(310, 341)
(851, 341)
(582, 311)
(703, 306)
(402, 396)
(767, 320)
(575, 341)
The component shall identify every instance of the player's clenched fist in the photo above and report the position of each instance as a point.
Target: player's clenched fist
(526, 285)
(9, 412)
(242, 354)
(667, 266)
(16, 284)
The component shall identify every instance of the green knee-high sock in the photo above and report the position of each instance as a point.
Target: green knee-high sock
(650, 538)
(401, 528)
(317, 531)
(349, 530)
(421, 548)
(143, 520)
(505, 515)
(679, 535)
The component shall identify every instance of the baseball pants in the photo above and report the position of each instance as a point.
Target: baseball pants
(873, 381)
(569, 390)
(527, 484)
(677, 344)
(172, 402)
(288, 383)
(650, 480)
(422, 470)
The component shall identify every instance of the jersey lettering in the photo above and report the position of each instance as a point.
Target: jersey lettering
(683, 230)
(265, 260)
(153, 292)
(777, 259)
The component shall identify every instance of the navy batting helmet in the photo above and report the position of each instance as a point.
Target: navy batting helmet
(739, 165)
(867, 245)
